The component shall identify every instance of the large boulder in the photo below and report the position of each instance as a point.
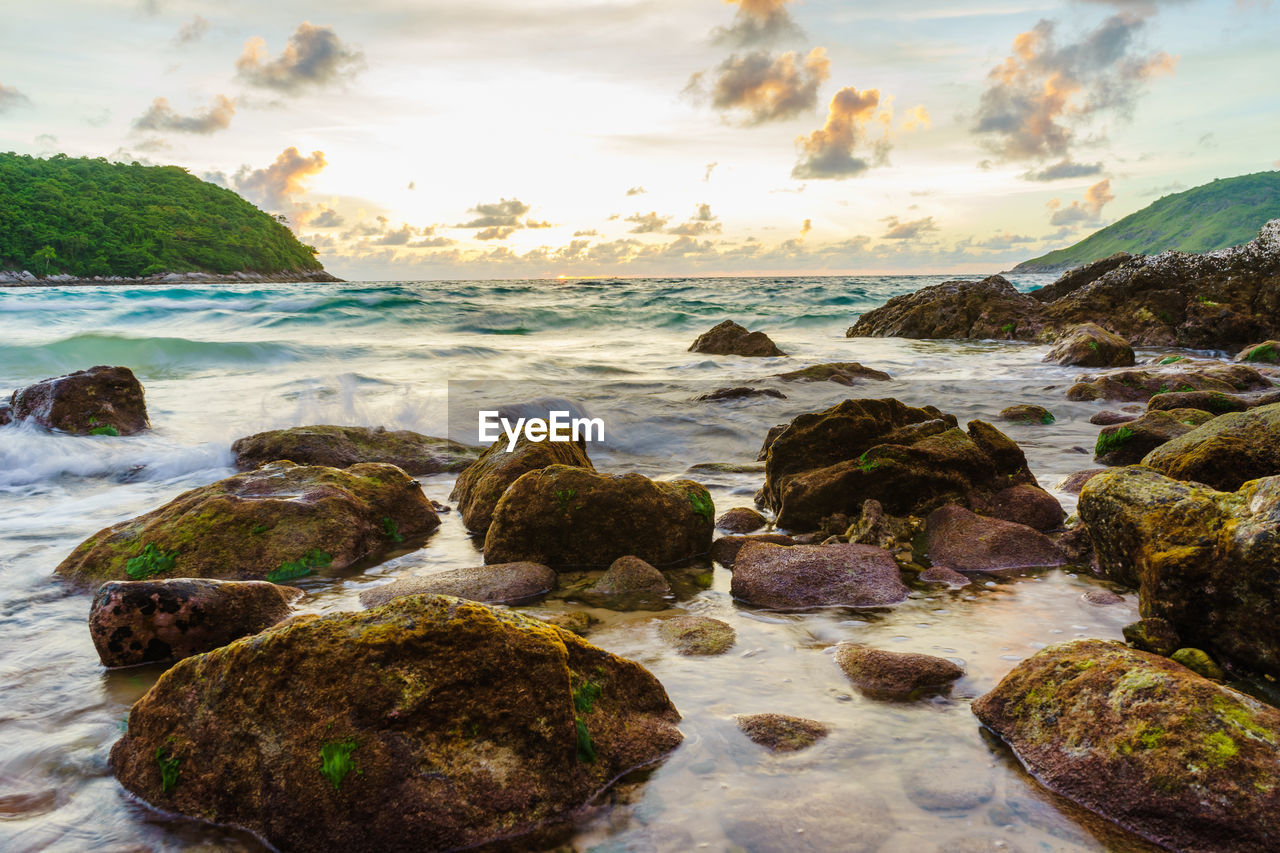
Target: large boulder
(429, 723)
(991, 308)
(1024, 503)
(910, 460)
(963, 541)
(133, 622)
(729, 338)
(1127, 443)
(503, 583)
(1076, 278)
(343, 446)
(479, 487)
(1203, 560)
(1146, 743)
(567, 517)
(1225, 452)
(1140, 384)
(1090, 345)
(279, 522)
(98, 401)
(801, 577)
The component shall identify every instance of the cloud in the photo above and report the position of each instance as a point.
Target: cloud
(758, 22)
(321, 217)
(1065, 168)
(497, 232)
(314, 56)
(916, 118)
(829, 152)
(1090, 210)
(11, 98)
(1004, 240)
(498, 220)
(900, 230)
(711, 167)
(274, 187)
(648, 223)
(1175, 187)
(161, 117)
(766, 87)
(412, 186)
(702, 222)
(1041, 93)
(192, 31)
(637, 191)
(589, 232)
(430, 242)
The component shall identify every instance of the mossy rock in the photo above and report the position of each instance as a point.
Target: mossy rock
(781, 732)
(504, 583)
(1090, 345)
(1200, 663)
(1027, 414)
(883, 674)
(1224, 452)
(99, 401)
(276, 523)
(1146, 743)
(696, 635)
(1201, 559)
(1140, 384)
(840, 372)
(343, 446)
(480, 487)
(1153, 635)
(1127, 443)
(730, 338)
(428, 723)
(1267, 352)
(568, 517)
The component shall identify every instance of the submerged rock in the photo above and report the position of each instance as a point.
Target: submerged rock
(895, 675)
(741, 519)
(841, 373)
(739, 393)
(1146, 743)
(781, 732)
(573, 517)
(1090, 345)
(343, 446)
(1140, 384)
(910, 460)
(1203, 560)
(801, 577)
(369, 731)
(1027, 414)
(479, 488)
(98, 401)
(501, 583)
(279, 522)
(6, 413)
(135, 622)
(1225, 452)
(630, 584)
(820, 822)
(959, 539)
(1127, 443)
(949, 785)
(728, 338)
(697, 635)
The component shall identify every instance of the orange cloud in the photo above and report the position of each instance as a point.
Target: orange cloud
(829, 152)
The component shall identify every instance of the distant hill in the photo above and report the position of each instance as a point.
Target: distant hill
(1226, 212)
(88, 217)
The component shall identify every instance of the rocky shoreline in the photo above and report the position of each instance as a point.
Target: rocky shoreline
(23, 278)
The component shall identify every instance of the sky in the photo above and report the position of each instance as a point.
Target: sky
(419, 139)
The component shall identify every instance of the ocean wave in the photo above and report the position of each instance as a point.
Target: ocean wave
(154, 356)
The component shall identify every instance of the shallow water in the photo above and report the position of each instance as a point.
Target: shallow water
(222, 362)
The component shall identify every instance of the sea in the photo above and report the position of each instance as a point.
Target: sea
(219, 362)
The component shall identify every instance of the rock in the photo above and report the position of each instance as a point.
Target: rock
(1139, 384)
(875, 527)
(1201, 559)
(910, 460)
(741, 519)
(502, 583)
(98, 401)
(895, 675)
(575, 621)
(1102, 597)
(966, 542)
(726, 468)
(1214, 402)
(631, 576)
(1073, 483)
(479, 488)
(1267, 352)
(1078, 277)
(1074, 543)
(841, 373)
(1225, 452)
(135, 622)
(1126, 444)
(990, 309)
(725, 549)
(739, 393)
(279, 522)
(1141, 740)
(728, 338)
(376, 731)
(1107, 418)
(574, 517)
(1027, 414)
(774, 432)
(697, 635)
(1153, 635)
(343, 446)
(6, 413)
(949, 785)
(943, 575)
(978, 843)
(1199, 663)
(1090, 345)
(801, 577)
(813, 823)
(1024, 504)
(781, 732)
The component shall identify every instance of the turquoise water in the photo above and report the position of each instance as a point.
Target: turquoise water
(220, 362)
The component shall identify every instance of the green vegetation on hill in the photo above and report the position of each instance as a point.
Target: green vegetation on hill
(90, 217)
(1226, 212)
